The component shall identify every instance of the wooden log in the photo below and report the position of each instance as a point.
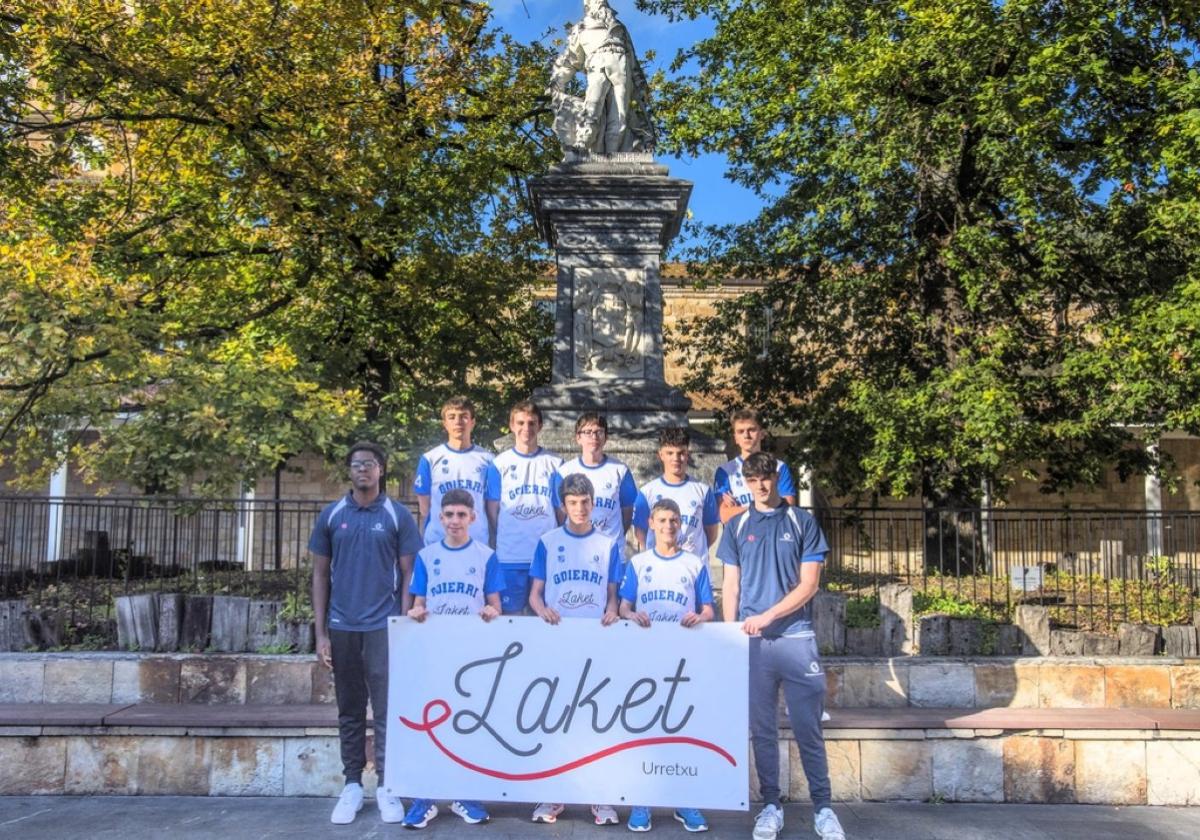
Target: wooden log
(12, 624)
(299, 634)
(1035, 628)
(263, 625)
(829, 623)
(896, 620)
(933, 635)
(863, 641)
(966, 636)
(1009, 640)
(1137, 639)
(1099, 644)
(170, 621)
(1182, 640)
(197, 622)
(145, 620)
(1066, 643)
(230, 621)
(126, 632)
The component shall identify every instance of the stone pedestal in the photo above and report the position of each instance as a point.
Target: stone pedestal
(609, 219)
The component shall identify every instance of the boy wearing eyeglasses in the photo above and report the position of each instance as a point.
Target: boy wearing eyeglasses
(362, 551)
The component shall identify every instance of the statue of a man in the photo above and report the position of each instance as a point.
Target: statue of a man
(612, 116)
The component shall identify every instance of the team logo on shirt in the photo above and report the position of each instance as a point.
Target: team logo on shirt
(378, 526)
(787, 537)
(471, 570)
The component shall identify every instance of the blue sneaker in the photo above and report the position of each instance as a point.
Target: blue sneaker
(420, 813)
(692, 819)
(639, 819)
(472, 812)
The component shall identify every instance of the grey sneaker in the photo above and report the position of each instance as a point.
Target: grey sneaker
(768, 823)
(349, 803)
(826, 824)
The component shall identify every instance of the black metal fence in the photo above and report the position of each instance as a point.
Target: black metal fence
(1094, 568)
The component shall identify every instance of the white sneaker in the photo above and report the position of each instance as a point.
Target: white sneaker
(605, 815)
(827, 826)
(547, 812)
(768, 823)
(391, 808)
(349, 803)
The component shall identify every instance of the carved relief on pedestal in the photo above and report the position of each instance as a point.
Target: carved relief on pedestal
(609, 317)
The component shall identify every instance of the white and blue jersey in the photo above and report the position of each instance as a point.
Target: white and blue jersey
(729, 479)
(445, 468)
(521, 484)
(364, 544)
(666, 588)
(769, 547)
(697, 509)
(614, 489)
(456, 581)
(577, 569)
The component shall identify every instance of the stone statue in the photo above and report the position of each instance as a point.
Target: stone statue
(612, 116)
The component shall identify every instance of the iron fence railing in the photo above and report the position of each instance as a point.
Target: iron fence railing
(1093, 568)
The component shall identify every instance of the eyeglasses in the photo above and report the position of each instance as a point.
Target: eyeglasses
(591, 433)
(363, 465)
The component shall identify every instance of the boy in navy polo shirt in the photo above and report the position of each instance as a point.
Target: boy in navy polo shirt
(666, 583)
(362, 547)
(457, 576)
(773, 555)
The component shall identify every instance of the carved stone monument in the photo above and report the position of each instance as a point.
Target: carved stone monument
(609, 211)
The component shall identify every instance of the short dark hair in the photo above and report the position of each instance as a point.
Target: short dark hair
(367, 446)
(577, 484)
(665, 504)
(458, 402)
(759, 465)
(525, 407)
(458, 496)
(674, 436)
(591, 417)
(743, 414)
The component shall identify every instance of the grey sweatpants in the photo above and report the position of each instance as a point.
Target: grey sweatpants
(790, 661)
(360, 671)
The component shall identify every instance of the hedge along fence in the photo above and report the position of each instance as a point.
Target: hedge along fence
(899, 620)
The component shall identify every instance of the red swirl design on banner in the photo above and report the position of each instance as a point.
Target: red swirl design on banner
(430, 723)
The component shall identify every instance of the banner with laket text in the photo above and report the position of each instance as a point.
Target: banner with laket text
(517, 710)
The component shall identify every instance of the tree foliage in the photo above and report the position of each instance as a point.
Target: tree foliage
(238, 229)
(980, 234)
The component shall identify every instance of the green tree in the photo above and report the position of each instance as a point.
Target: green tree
(240, 229)
(979, 235)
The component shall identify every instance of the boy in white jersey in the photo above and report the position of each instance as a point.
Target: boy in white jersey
(695, 499)
(611, 479)
(666, 583)
(455, 464)
(574, 574)
(519, 504)
(456, 576)
(733, 494)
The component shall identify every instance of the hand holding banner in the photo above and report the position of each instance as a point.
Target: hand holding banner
(522, 711)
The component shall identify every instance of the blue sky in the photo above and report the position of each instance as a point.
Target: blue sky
(715, 200)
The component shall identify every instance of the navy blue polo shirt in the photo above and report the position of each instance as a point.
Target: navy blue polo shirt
(363, 544)
(768, 548)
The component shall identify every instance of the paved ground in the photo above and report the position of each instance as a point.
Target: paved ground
(179, 818)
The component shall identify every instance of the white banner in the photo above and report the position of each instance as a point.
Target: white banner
(521, 711)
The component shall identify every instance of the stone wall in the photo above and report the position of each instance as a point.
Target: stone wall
(927, 682)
